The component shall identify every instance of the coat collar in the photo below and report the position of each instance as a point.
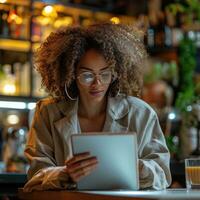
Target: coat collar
(117, 107)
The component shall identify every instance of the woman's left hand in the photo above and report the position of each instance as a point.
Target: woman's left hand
(80, 165)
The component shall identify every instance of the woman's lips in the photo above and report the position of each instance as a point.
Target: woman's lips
(96, 92)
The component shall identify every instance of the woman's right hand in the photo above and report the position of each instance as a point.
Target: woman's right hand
(80, 165)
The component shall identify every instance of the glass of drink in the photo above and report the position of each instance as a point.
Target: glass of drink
(192, 173)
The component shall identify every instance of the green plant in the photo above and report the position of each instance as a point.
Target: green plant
(187, 91)
(154, 74)
(191, 9)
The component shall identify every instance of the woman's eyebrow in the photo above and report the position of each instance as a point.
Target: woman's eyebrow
(85, 68)
(89, 69)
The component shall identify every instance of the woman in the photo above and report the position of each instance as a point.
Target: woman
(91, 73)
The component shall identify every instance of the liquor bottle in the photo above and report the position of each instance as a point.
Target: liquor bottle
(150, 40)
(12, 24)
(36, 31)
(154, 13)
(24, 26)
(5, 25)
(163, 32)
(167, 35)
(160, 32)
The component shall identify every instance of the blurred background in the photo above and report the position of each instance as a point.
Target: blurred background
(171, 80)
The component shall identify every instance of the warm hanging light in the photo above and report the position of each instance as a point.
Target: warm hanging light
(49, 11)
(3, 1)
(115, 20)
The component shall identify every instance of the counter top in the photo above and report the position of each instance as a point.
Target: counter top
(168, 194)
(151, 194)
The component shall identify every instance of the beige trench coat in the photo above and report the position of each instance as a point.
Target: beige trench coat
(48, 144)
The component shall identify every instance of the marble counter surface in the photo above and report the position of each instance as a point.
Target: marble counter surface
(169, 194)
(151, 194)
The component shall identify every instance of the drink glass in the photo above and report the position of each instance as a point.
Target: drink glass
(192, 173)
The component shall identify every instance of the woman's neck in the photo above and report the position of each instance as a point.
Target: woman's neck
(92, 109)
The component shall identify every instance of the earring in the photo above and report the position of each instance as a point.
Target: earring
(118, 92)
(72, 99)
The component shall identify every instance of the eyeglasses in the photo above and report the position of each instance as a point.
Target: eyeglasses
(87, 78)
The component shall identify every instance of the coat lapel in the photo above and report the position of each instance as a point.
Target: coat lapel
(67, 125)
(117, 112)
(116, 118)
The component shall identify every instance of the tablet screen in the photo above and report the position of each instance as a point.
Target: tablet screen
(117, 160)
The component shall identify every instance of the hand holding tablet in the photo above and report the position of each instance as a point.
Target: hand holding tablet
(80, 165)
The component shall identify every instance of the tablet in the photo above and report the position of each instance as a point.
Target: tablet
(117, 160)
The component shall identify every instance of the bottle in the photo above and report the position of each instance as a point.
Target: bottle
(160, 32)
(5, 25)
(2, 78)
(25, 79)
(17, 68)
(36, 31)
(9, 87)
(154, 13)
(196, 108)
(177, 36)
(24, 27)
(170, 23)
(167, 34)
(37, 90)
(12, 23)
(198, 38)
(151, 36)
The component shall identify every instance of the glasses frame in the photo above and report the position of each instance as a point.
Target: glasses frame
(96, 76)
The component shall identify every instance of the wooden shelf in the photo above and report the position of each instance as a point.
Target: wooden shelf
(75, 10)
(161, 49)
(35, 46)
(18, 2)
(19, 98)
(164, 53)
(15, 45)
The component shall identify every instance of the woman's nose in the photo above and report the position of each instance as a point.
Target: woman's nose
(96, 80)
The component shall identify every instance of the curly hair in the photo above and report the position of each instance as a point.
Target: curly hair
(121, 45)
